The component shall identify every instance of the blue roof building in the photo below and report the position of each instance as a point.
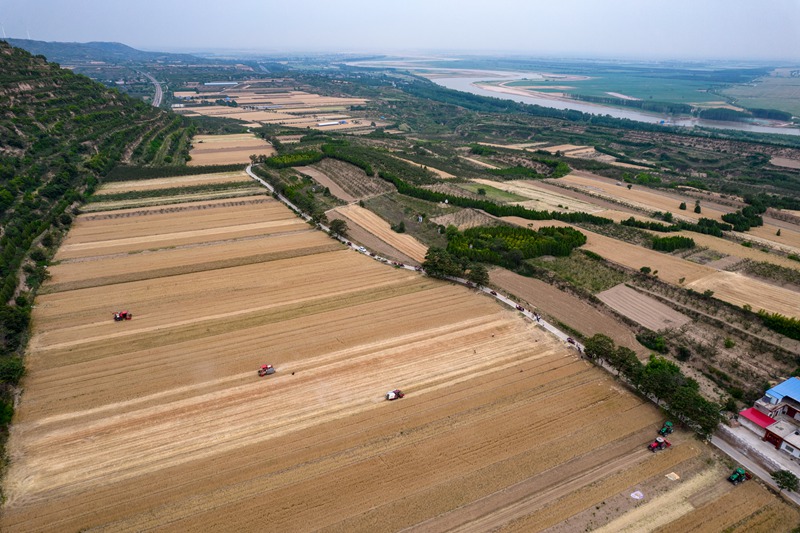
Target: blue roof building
(789, 389)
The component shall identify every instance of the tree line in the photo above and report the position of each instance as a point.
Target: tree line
(660, 379)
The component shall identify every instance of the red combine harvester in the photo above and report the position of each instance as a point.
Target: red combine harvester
(119, 316)
(394, 394)
(659, 444)
(266, 370)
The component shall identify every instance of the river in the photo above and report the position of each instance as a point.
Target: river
(466, 84)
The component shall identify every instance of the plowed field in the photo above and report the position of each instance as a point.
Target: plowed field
(161, 422)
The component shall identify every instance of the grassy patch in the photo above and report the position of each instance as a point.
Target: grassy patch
(582, 271)
(492, 193)
(397, 208)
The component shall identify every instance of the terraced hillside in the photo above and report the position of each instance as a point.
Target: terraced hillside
(60, 133)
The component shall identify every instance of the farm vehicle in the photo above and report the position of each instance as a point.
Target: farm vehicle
(666, 429)
(395, 394)
(739, 475)
(119, 316)
(266, 370)
(659, 444)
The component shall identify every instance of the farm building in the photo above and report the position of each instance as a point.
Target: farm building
(774, 417)
(755, 421)
(783, 399)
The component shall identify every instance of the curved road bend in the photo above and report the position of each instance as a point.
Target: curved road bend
(159, 93)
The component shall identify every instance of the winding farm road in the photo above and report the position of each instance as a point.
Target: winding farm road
(530, 315)
(159, 93)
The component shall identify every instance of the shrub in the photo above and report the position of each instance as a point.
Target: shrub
(653, 340)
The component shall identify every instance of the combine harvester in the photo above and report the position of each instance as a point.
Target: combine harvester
(119, 316)
(266, 370)
(659, 444)
(394, 394)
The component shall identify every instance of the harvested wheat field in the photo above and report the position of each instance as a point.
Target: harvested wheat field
(227, 149)
(382, 230)
(740, 290)
(194, 180)
(161, 422)
(541, 198)
(175, 225)
(639, 197)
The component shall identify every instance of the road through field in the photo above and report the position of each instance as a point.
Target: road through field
(161, 422)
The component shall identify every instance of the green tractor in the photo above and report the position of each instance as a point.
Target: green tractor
(739, 475)
(666, 429)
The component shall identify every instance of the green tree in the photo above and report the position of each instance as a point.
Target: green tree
(697, 207)
(600, 347)
(682, 206)
(440, 263)
(661, 378)
(482, 192)
(339, 227)
(478, 274)
(785, 480)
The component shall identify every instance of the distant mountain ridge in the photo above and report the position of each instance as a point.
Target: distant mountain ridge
(108, 52)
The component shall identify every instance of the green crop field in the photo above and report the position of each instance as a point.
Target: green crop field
(637, 86)
(493, 193)
(769, 92)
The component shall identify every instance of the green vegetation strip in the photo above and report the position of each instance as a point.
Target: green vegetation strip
(173, 191)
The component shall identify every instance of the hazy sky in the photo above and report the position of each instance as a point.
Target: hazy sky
(669, 29)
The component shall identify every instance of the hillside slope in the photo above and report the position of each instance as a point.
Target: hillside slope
(59, 134)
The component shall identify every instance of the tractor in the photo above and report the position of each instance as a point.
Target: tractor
(394, 394)
(266, 370)
(666, 429)
(119, 316)
(659, 444)
(739, 475)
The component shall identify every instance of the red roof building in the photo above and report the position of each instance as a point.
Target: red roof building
(755, 421)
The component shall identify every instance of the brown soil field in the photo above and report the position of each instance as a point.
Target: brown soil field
(541, 198)
(647, 311)
(788, 240)
(565, 308)
(478, 162)
(178, 181)
(227, 149)
(785, 162)
(363, 237)
(740, 290)
(323, 179)
(640, 197)
(161, 422)
(382, 230)
(465, 218)
(352, 179)
(441, 173)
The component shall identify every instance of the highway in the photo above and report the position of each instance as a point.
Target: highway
(159, 93)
